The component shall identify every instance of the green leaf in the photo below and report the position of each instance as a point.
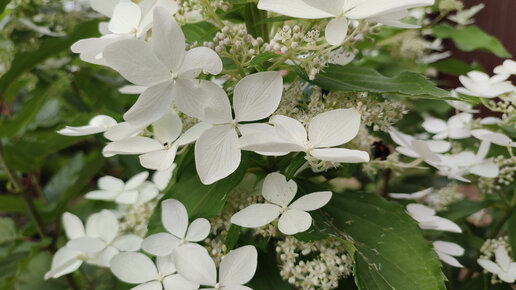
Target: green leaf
(232, 237)
(455, 67)
(35, 269)
(297, 162)
(28, 112)
(391, 250)
(200, 200)
(361, 79)
(471, 38)
(267, 273)
(3, 4)
(253, 21)
(8, 230)
(25, 61)
(460, 210)
(12, 204)
(511, 227)
(200, 32)
(261, 58)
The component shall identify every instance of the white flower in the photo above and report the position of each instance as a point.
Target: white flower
(427, 219)
(325, 130)
(385, 12)
(104, 7)
(255, 97)
(162, 178)
(495, 138)
(457, 127)
(447, 251)
(406, 148)
(166, 70)
(416, 195)
(236, 268)
(128, 20)
(479, 84)
(136, 268)
(504, 267)
(460, 105)
(114, 189)
(96, 244)
(458, 165)
(175, 220)
(280, 193)
(158, 153)
(97, 124)
(464, 17)
(507, 68)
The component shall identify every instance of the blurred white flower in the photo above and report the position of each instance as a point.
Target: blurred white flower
(504, 267)
(427, 219)
(416, 195)
(457, 127)
(114, 189)
(280, 193)
(96, 244)
(495, 138)
(405, 144)
(464, 17)
(175, 220)
(236, 268)
(479, 84)
(507, 68)
(136, 268)
(448, 251)
(97, 124)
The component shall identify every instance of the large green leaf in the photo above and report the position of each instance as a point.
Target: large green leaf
(8, 230)
(28, 112)
(25, 61)
(391, 250)
(362, 79)
(471, 38)
(511, 227)
(200, 31)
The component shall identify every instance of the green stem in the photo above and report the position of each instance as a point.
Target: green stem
(18, 187)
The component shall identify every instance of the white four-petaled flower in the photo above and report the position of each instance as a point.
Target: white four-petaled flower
(279, 193)
(504, 267)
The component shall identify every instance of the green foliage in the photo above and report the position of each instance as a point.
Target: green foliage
(471, 38)
(391, 251)
(200, 32)
(361, 79)
(8, 230)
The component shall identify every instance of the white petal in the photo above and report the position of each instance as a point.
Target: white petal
(448, 248)
(127, 197)
(121, 131)
(73, 226)
(195, 264)
(151, 105)
(198, 230)
(174, 217)
(294, 221)
(160, 244)
(132, 145)
(191, 135)
(257, 96)
(449, 260)
(496, 138)
(203, 100)
(133, 268)
(168, 128)
(256, 215)
(105, 7)
(132, 90)
(312, 201)
(290, 129)
(295, 8)
(421, 148)
(159, 160)
(277, 190)
(438, 146)
(166, 265)
(256, 130)
(152, 285)
(162, 178)
(418, 211)
(447, 225)
(135, 61)
(217, 154)
(177, 282)
(334, 128)
(486, 169)
(502, 258)
(415, 195)
(200, 59)
(128, 243)
(106, 226)
(340, 155)
(168, 40)
(336, 31)
(268, 143)
(96, 125)
(126, 17)
(104, 258)
(433, 125)
(238, 266)
(86, 245)
(64, 262)
(367, 9)
(136, 180)
(148, 191)
(236, 287)
(490, 266)
(110, 183)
